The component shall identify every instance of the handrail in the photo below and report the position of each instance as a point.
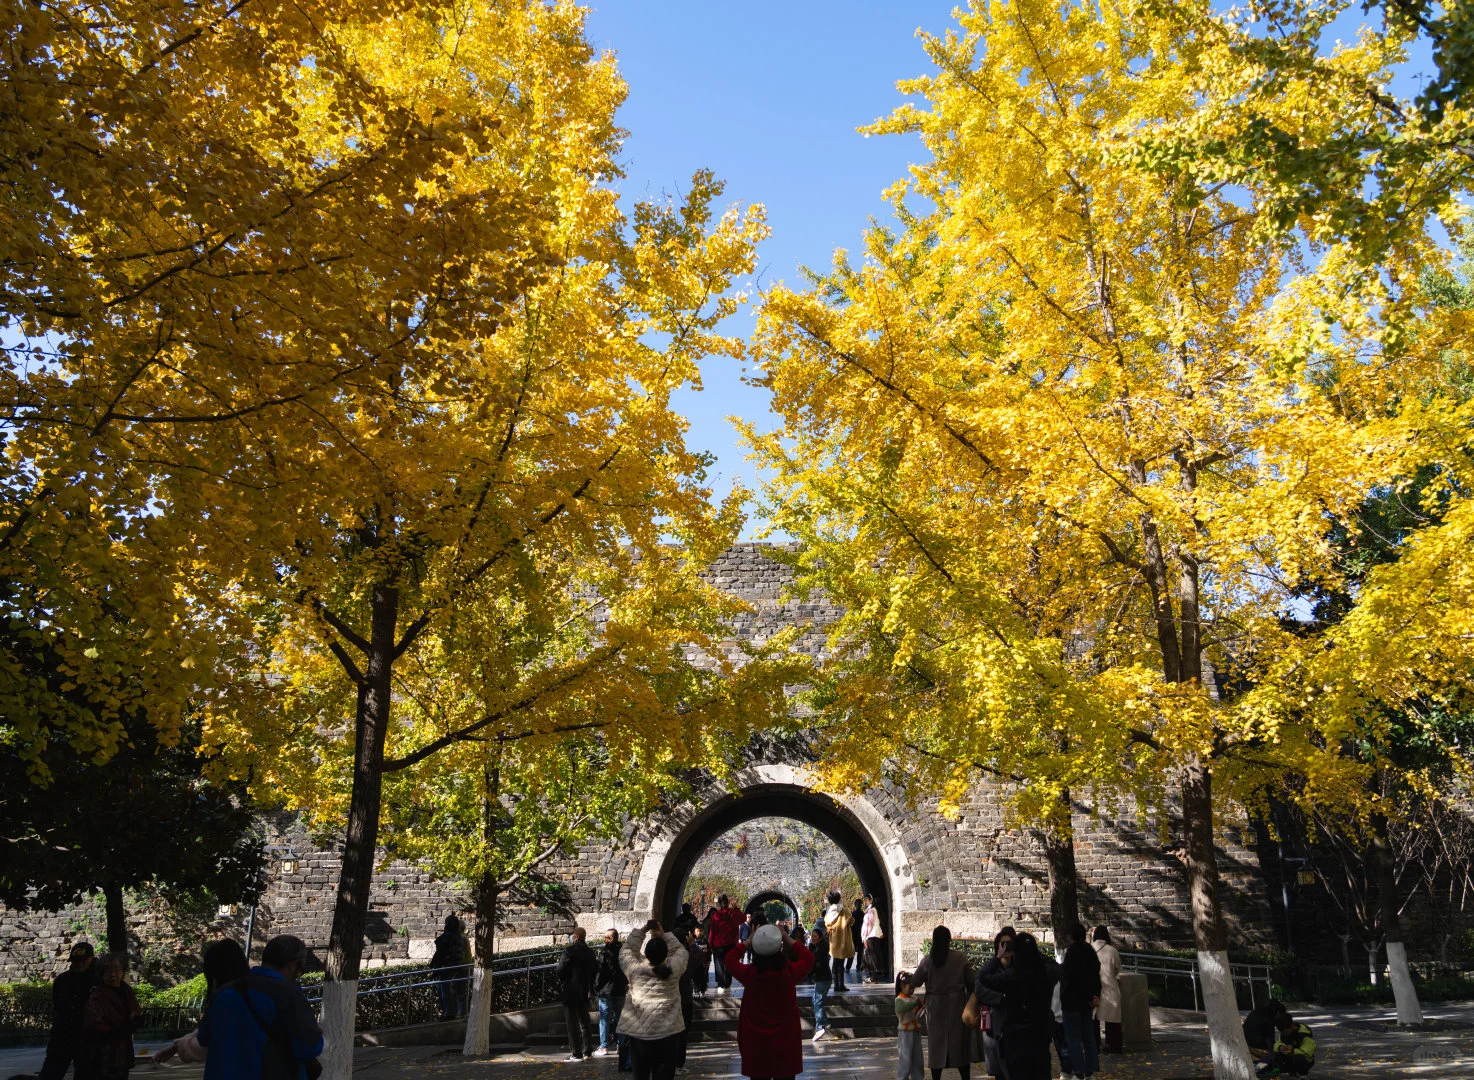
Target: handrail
(1187, 967)
(437, 976)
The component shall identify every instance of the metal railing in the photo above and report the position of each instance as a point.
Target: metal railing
(1173, 971)
(424, 995)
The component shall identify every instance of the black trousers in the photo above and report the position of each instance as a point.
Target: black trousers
(724, 977)
(655, 1059)
(688, 1013)
(577, 1018)
(1026, 1055)
(63, 1053)
(839, 968)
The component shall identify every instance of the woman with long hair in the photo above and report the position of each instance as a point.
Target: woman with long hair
(1026, 982)
(947, 976)
(985, 1008)
(224, 963)
(769, 1032)
(653, 962)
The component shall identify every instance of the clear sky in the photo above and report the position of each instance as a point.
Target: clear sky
(768, 94)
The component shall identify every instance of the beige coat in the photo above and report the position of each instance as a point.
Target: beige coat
(1109, 1009)
(652, 1005)
(949, 1040)
(837, 922)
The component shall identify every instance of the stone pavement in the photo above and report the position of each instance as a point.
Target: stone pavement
(1355, 1044)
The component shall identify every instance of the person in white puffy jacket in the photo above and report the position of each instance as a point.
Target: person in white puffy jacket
(653, 962)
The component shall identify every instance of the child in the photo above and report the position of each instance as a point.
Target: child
(909, 1011)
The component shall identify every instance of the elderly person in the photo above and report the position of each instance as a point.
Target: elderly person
(108, 1023)
(653, 962)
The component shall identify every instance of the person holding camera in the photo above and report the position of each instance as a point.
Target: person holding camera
(653, 962)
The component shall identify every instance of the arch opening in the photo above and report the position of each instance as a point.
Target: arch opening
(766, 898)
(801, 804)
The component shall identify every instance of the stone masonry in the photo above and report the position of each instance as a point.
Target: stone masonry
(976, 872)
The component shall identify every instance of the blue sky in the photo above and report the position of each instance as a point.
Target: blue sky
(768, 95)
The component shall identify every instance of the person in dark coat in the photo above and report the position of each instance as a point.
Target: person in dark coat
(577, 970)
(262, 1028)
(688, 996)
(609, 987)
(992, 1020)
(1026, 982)
(685, 921)
(819, 946)
(1261, 1027)
(69, 993)
(701, 958)
(856, 963)
(452, 954)
(108, 1023)
(1079, 993)
(948, 979)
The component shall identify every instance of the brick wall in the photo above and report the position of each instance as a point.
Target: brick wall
(976, 873)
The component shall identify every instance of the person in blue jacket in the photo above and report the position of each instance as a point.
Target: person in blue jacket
(261, 1027)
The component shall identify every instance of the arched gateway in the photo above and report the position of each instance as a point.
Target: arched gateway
(854, 823)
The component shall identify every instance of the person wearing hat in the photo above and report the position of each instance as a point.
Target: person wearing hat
(69, 993)
(769, 1033)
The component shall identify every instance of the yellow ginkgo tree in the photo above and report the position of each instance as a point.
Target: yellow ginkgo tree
(334, 339)
(1069, 451)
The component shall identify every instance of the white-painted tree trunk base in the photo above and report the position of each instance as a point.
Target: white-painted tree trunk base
(478, 1015)
(339, 1006)
(1409, 1012)
(1231, 1059)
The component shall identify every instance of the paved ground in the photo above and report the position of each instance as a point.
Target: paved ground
(1356, 1044)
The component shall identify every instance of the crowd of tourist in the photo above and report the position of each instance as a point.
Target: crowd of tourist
(1006, 1014)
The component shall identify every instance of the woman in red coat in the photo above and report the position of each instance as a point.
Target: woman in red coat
(768, 1030)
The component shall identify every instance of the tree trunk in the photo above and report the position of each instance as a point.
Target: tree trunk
(1373, 948)
(117, 922)
(478, 1016)
(1409, 1012)
(1231, 1059)
(345, 946)
(1064, 882)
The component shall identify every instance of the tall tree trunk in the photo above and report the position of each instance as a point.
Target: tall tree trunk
(117, 922)
(345, 946)
(1064, 882)
(1231, 1059)
(478, 1016)
(1409, 1011)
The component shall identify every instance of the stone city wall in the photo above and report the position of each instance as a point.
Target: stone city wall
(975, 873)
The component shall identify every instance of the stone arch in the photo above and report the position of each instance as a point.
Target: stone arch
(760, 899)
(854, 823)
